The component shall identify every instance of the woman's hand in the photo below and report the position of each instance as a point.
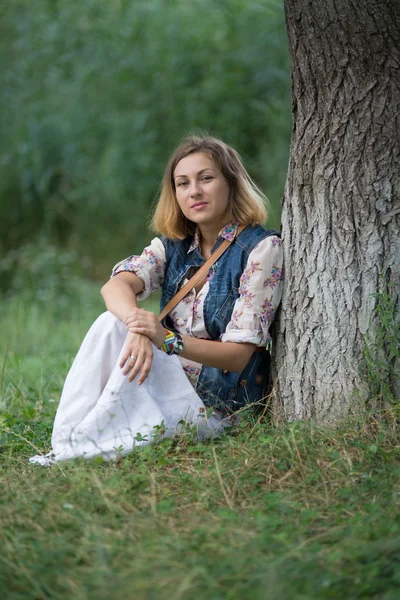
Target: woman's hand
(146, 323)
(137, 357)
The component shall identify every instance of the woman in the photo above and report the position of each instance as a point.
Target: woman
(132, 372)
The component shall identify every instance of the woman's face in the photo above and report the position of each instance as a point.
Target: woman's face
(202, 191)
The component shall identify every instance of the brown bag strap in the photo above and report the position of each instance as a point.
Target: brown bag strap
(201, 273)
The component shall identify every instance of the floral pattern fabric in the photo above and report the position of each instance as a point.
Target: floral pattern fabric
(260, 292)
(148, 266)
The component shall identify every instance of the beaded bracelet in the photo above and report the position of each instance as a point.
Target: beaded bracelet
(173, 343)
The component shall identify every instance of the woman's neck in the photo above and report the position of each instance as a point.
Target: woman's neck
(209, 232)
(208, 237)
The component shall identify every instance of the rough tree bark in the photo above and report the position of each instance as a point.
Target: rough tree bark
(341, 210)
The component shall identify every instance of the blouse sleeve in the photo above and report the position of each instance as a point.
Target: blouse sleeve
(148, 266)
(260, 292)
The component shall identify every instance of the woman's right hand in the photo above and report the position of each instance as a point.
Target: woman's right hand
(137, 357)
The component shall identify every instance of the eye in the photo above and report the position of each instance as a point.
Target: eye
(181, 183)
(207, 178)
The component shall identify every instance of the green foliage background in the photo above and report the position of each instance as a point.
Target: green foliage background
(95, 95)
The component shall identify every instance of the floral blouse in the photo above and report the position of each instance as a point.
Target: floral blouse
(260, 292)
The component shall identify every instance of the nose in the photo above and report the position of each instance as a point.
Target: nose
(195, 189)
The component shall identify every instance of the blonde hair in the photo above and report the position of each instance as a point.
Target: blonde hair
(247, 202)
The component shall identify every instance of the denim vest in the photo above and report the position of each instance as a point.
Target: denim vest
(225, 390)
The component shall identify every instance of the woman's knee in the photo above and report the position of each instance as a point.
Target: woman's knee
(108, 317)
(107, 322)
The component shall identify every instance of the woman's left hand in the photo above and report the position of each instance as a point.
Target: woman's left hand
(145, 322)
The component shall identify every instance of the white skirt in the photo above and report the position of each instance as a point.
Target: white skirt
(102, 414)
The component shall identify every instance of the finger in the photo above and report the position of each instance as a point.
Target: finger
(131, 314)
(144, 312)
(134, 323)
(129, 320)
(143, 362)
(135, 370)
(130, 363)
(141, 326)
(144, 373)
(147, 331)
(125, 356)
(138, 321)
(137, 311)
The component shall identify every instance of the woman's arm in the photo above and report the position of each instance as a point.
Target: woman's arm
(119, 293)
(137, 274)
(260, 292)
(228, 356)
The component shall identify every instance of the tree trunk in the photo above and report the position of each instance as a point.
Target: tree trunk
(341, 209)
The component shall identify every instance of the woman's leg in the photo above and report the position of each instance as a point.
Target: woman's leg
(101, 413)
(89, 374)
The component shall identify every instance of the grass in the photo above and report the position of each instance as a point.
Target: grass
(264, 512)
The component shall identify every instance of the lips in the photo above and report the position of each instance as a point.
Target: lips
(198, 205)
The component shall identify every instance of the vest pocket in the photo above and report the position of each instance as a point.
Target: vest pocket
(225, 312)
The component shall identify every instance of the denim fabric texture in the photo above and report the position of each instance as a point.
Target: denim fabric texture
(224, 390)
